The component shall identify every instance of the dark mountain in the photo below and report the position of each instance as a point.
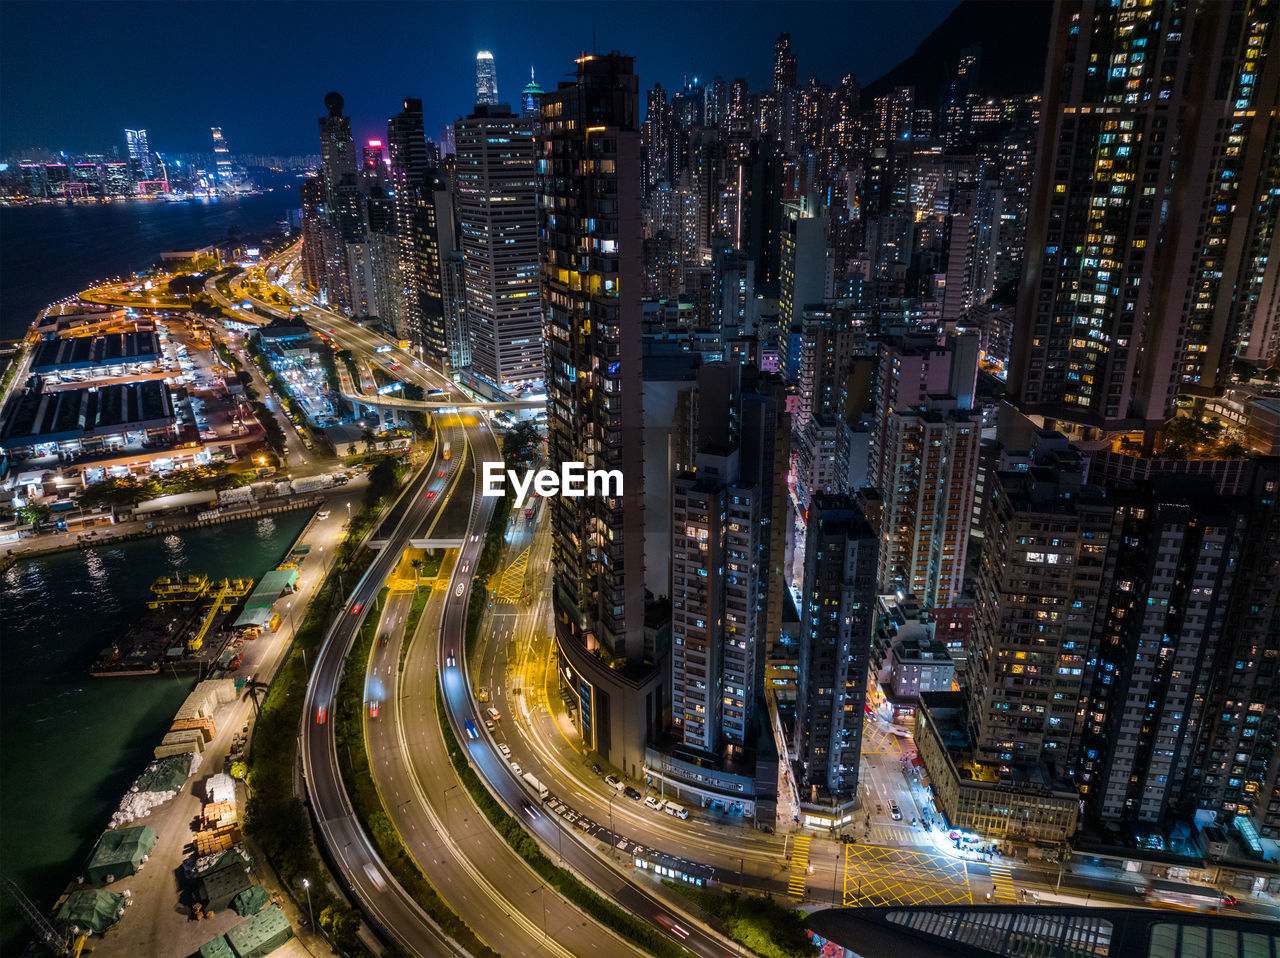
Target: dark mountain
(1013, 41)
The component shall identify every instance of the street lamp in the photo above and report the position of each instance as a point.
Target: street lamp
(447, 808)
(306, 886)
(542, 887)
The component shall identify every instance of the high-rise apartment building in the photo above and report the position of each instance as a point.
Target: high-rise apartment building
(924, 458)
(413, 184)
(1153, 212)
(589, 168)
(805, 271)
(729, 453)
(837, 619)
(486, 79)
(1046, 543)
(1165, 595)
(497, 208)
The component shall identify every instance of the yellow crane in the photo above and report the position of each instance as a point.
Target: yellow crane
(228, 589)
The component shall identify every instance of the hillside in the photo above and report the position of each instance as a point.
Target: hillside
(1014, 39)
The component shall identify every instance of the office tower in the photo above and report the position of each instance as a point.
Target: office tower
(531, 99)
(1152, 211)
(837, 617)
(497, 207)
(805, 271)
(486, 79)
(412, 185)
(924, 460)
(221, 156)
(139, 153)
(592, 266)
(373, 167)
(118, 180)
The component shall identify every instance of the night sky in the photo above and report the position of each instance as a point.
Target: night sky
(74, 75)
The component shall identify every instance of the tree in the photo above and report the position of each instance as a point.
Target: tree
(34, 514)
(351, 449)
(367, 437)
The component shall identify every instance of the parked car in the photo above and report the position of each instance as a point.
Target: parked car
(504, 749)
(631, 793)
(595, 767)
(614, 782)
(654, 803)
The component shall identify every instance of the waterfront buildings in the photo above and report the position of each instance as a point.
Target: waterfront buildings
(496, 196)
(139, 153)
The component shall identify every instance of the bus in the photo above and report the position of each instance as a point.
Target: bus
(1197, 901)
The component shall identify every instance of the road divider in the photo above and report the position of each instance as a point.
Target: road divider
(601, 909)
(366, 801)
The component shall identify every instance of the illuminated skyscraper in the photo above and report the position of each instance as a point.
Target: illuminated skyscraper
(221, 156)
(497, 207)
(1152, 218)
(592, 273)
(531, 99)
(486, 79)
(139, 153)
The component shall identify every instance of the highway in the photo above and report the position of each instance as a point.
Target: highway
(387, 905)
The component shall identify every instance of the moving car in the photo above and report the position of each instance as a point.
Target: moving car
(355, 609)
(374, 708)
(471, 729)
(895, 811)
(322, 713)
(450, 661)
(530, 810)
(670, 924)
(494, 713)
(372, 874)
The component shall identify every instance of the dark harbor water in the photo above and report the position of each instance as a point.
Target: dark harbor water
(69, 744)
(53, 250)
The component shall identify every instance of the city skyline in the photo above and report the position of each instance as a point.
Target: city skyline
(78, 109)
(848, 510)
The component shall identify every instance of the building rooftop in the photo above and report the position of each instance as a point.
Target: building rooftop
(90, 352)
(976, 931)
